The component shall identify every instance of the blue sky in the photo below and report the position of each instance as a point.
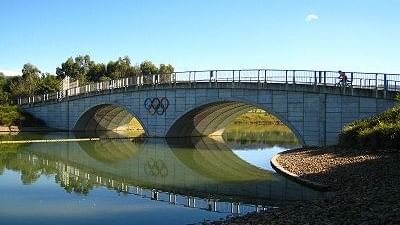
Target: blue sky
(351, 35)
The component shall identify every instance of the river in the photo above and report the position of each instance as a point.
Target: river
(143, 180)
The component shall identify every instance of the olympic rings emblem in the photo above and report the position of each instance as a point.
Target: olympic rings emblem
(156, 105)
(156, 168)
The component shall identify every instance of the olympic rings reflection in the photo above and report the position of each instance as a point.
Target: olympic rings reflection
(155, 168)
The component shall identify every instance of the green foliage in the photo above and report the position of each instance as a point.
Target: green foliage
(27, 84)
(120, 68)
(85, 70)
(76, 69)
(165, 72)
(32, 82)
(148, 69)
(4, 93)
(18, 87)
(10, 115)
(257, 117)
(48, 84)
(30, 71)
(81, 68)
(97, 72)
(378, 132)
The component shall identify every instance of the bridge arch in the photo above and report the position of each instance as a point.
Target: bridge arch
(211, 118)
(106, 117)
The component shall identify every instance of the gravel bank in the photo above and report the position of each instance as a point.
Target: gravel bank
(367, 186)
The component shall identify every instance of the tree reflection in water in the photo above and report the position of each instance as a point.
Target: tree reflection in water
(200, 167)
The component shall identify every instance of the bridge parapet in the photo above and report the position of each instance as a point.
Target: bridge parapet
(378, 84)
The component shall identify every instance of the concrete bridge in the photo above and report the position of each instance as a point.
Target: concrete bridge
(314, 104)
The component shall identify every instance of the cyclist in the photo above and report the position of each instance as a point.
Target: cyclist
(343, 78)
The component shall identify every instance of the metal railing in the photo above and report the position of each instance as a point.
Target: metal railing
(375, 81)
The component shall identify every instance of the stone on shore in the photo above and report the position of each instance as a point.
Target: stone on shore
(366, 185)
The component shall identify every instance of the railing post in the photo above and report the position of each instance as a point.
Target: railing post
(265, 76)
(233, 78)
(351, 83)
(376, 85)
(239, 77)
(211, 77)
(324, 78)
(315, 77)
(286, 73)
(351, 78)
(189, 77)
(258, 77)
(294, 76)
(319, 77)
(216, 78)
(385, 85)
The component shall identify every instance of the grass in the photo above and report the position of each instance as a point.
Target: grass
(259, 126)
(257, 117)
(378, 132)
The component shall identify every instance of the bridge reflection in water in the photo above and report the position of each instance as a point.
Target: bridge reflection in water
(202, 173)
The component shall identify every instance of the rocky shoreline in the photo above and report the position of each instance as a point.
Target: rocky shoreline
(366, 186)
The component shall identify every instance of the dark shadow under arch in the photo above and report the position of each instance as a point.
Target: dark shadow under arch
(107, 117)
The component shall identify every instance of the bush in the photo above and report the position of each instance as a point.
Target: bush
(12, 115)
(378, 132)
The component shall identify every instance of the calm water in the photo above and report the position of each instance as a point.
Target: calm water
(140, 181)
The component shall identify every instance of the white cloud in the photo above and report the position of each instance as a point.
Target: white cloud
(10, 72)
(311, 18)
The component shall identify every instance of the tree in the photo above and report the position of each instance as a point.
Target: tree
(30, 71)
(147, 69)
(4, 96)
(120, 69)
(67, 69)
(76, 69)
(165, 72)
(48, 84)
(82, 64)
(27, 84)
(136, 71)
(97, 72)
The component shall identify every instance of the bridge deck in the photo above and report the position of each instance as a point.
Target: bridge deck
(359, 84)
